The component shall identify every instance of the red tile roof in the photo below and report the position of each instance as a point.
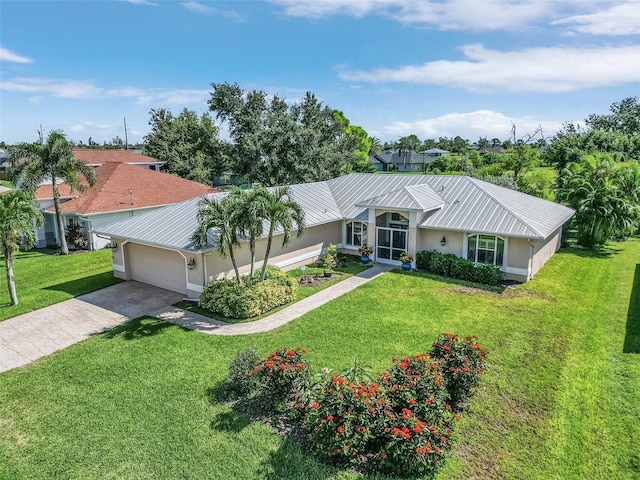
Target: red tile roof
(111, 156)
(113, 183)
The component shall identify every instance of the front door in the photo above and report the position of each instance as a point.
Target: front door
(390, 243)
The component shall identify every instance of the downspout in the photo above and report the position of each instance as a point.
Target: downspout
(530, 267)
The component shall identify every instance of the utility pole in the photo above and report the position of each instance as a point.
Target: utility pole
(126, 138)
(41, 135)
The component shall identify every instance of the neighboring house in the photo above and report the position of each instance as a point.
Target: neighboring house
(121, 191)
(96, 158)
(393, 160)
(392, 213)
(498, 150)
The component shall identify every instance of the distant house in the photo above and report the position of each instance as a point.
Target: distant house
(393, 160)
(96, 158)
(498, 150)
(121, 191)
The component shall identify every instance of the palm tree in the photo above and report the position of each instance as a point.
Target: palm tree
(248, 217)
(218, 215)
(52, 160)
(282, 212)
(604, 198)
(375, 146)
(18, 212)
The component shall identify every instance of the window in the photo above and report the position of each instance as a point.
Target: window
(356, 233)
(397, 217)
(485, 249)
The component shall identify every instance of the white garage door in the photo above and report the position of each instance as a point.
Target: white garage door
(156, 266)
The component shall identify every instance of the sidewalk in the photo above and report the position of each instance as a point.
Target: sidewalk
(208, 325)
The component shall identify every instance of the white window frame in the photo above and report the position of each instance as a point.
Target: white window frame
(364, 233)
(468, 236)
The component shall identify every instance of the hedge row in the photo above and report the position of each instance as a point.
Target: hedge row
(250, 298)
(450, 265)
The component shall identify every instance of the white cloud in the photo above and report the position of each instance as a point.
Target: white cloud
(7, 55)
(445, 15)
(87, 90)
(471, 125)
(552, 69)
(621, 19)
(197, 7)
(90, 126)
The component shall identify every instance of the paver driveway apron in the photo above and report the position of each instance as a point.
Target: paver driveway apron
(28, 337)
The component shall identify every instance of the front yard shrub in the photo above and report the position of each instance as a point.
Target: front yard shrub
(241, 376)
(344, 418)
(450, 265)
(462, 364)
(282, 379)
(401, 424)
(248, 299)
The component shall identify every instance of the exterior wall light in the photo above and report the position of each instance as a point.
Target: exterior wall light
(191, 263)
(443, 242)
(114, 245)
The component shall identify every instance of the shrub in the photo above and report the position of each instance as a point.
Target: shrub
(462, 364)
(282, 379)
(343, 416)
(244, 300)
(450, 265)
(329, 258)
(241, 377)
(423, 258)
(406, 257)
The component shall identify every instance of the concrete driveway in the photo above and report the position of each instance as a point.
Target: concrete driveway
(28, 337)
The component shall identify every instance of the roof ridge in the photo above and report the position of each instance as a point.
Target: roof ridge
(406, 188)
(473, 181)
(385, 194)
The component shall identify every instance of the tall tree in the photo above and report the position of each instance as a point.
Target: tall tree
(187, 143)
(604, 196)
(282, 213)
(50, 161)
(248, 218)
(18, 213)
(624, 118)
(275, 143)
(218, 215)
(376, 146)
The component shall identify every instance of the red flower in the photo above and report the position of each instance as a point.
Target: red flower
(315, 405)
(412, 402)
(330, 417)
(340, 430)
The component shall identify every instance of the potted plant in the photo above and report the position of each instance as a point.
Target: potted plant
(407, 260)
(364, 251)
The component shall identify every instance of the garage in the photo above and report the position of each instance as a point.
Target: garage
(155, 266)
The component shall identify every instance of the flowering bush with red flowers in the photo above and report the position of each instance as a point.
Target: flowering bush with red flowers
(282, 378)
(414, 446)
(342, 418)
(400, 425)
(462, 364)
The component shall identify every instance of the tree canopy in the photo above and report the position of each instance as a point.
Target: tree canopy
(187, 143)
(275, 143)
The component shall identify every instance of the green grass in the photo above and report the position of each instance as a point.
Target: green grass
(6, 183)
(560, 398)
(352, 266)
(43, 279)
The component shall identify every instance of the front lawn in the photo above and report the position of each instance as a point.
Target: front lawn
(560, 399)
(44, 279)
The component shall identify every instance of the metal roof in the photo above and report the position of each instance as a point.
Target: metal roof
(414, 197)
(448, 202)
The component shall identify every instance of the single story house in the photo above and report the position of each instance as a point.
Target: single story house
(97, 157)
(394, 160)
(121, 191)
(391, 213)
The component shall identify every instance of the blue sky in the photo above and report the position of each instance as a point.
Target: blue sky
(395, 67)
